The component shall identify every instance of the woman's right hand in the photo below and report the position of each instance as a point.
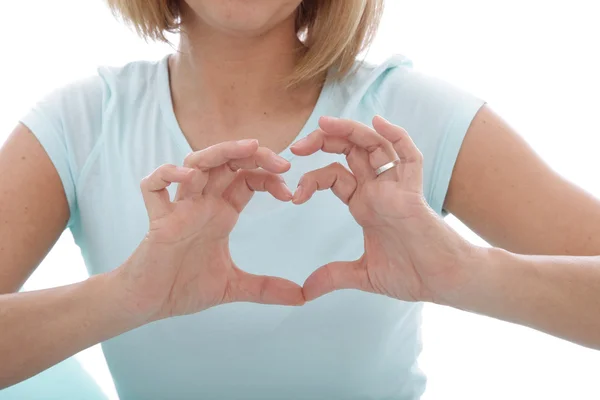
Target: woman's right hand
(183, 265)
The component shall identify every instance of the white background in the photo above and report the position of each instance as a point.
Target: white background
(536, 62)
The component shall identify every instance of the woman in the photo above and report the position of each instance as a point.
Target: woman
(239, 91)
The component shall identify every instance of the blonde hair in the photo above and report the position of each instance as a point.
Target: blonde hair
(334, 32)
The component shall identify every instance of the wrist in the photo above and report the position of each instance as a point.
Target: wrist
(104, 302)
(479, 272)
(128, 300)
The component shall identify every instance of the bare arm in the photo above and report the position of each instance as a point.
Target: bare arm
(503, 191)
(559, 295)
(40, 329)
(509, 196)
(411, 254)
(33, 208)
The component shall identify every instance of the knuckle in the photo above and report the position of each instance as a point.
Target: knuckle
(189, 159)
(317, 136)
(264, 152)
(304, 179)
(418, 156)
(277, 179)
(233, 166)
(351, 129)
(146, 182)
(347, 149)
(336, 166)
(163, 169)
(329, 277)
(243, 175)
(353, 156)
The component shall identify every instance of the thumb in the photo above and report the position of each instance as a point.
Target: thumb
(261, 289)
(337, 276)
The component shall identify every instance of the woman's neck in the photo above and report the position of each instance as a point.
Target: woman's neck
(221, 73)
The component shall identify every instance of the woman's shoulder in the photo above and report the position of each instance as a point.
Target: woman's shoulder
(396, 82)
(368, 70)
(85, 97)
(137, 76)
(83, 103)
(70, 120)
(407, 96)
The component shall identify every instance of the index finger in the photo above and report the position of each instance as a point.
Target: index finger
(247, 287)
(356, 133)
(219, 154)
(381, 151)
(358, 158)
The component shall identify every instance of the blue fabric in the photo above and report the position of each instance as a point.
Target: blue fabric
(65, 381)
(106, 133)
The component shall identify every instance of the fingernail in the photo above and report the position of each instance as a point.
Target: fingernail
(298, 193)
(288, 192)
(281, 161)
(300, 303)
(383, 119)
(300, 142)
(247, 142)
(328, 118)
(184, 170)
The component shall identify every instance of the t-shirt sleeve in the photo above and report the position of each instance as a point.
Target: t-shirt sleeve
(67, 123)
(437, 116)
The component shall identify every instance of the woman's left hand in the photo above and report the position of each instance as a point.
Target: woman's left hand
(410, 254)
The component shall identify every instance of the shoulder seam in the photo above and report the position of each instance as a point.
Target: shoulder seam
(88, 164)
(91, 157)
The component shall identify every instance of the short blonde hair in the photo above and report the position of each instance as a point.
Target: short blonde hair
(334, 32)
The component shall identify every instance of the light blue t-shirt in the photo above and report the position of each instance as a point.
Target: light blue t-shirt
(106, 133)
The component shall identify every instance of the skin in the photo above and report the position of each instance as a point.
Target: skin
(411, 254)
(225, 85)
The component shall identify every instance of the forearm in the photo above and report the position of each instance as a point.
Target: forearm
(557, 295)
(40, 329)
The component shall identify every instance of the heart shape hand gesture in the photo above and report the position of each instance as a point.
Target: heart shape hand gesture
(184, 266)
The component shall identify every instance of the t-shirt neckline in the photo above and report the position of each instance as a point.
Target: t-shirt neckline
(323, 107)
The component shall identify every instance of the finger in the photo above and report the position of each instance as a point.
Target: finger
(408, 153)
(337, 276)
(318, 140)
(403, 144)
(335, 177)
(156, 197)
(221, 177)
(192, 186)
(380, 149)
(213, 157)
(358, 159)
(246, 287)
(241, 190)
(264, 158)
(219, 154)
